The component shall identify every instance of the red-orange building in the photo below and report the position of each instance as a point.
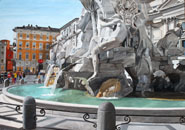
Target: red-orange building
(32, 45)
(7, 53)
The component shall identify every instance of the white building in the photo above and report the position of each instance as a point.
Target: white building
(2, 56)
(66, 40)
(165, 15)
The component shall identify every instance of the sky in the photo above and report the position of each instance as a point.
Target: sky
(54, 13)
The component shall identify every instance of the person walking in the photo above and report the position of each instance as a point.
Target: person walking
(15, 76)
(20, 75)
(9, 76)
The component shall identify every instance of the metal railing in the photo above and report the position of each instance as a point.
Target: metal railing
(106, 115)
(26, 107)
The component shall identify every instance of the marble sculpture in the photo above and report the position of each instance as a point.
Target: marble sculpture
(116, 56)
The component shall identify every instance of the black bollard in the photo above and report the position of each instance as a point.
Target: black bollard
(106, 117)
(29, 113)
(6, 83)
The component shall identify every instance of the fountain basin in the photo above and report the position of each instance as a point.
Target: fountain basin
(81, 102)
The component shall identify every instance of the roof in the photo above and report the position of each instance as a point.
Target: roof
(5, 40)
(169, 3)
(69, 23)
(37, 28)
(167, 7)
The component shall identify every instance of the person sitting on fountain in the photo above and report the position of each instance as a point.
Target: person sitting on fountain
(117, 35)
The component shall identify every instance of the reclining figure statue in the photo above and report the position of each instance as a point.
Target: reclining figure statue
(117, 36)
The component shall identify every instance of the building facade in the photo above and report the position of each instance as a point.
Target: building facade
(165, 15)
(9, 58)
(32, 46)
(65, 41)
(68, 36)
(3, 44)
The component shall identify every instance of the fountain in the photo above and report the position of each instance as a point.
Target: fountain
(55, 82)
(48, 74)
(118, 62)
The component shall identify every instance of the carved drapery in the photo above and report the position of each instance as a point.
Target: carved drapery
(91, 6)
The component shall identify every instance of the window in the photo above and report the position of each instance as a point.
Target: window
(47, 56)
(27, 68)
(2, 60)
(40, 46)
(20, 56)
(27, 56)
(34, 44)
(34, 56)
(183, 43)
(74, 28)
(20, 36)
(34, 37)
(27, 36)
(41, 37)
(40, 55)
(2, 52)
(183, 25)
(19, 68)
(47, 38)
(47, 46)
(27, 44)
(20, 44)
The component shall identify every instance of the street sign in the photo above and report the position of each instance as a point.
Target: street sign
(40, 61)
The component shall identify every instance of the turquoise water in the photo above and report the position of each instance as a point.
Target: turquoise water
(80, 97)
